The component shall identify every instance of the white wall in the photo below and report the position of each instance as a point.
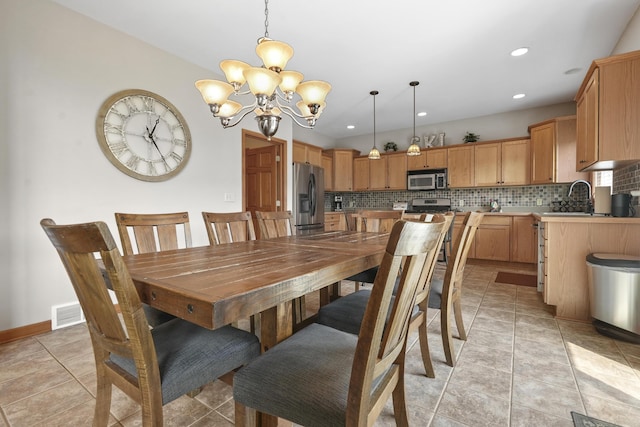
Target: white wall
(60, 66)
(630, 39)
(497, 126)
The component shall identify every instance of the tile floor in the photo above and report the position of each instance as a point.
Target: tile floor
(519, 367)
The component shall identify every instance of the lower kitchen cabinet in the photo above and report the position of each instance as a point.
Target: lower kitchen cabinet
(524, 238)
(334, 221)
(493, 238)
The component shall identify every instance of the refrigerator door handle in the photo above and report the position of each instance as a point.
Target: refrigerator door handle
(312, 194)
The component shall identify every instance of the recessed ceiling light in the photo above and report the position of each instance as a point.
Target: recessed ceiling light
(520, 51)
(422, 114)
(351, 127)
(518, 96)
(573, 70)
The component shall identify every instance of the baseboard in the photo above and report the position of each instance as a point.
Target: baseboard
(25, 331)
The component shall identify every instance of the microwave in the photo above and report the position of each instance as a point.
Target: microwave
(430, 179)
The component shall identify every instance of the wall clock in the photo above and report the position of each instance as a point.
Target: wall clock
(143, 135)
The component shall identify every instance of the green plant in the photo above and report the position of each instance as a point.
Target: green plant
(390, 146)
(471, 137)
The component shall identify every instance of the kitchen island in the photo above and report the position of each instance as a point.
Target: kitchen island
(565, 241)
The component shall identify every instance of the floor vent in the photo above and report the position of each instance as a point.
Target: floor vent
(66, 315)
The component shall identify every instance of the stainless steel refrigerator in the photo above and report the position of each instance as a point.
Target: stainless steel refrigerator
(308, 195)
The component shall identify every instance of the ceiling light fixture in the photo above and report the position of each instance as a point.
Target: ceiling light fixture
(414, 148)
(520, 51)
(374, 154)
(263, 83)
(518, 96)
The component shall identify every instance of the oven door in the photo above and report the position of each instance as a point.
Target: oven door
(424, 181)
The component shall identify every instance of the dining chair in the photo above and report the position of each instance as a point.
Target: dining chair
(280, 224)
(373, 221)
(152, 366)
(446, 293)
(144, 233)
(275, 224)
(346, 314)
(321, 376)
(228, 227)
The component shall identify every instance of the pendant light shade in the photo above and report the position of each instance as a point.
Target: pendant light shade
(414, 148)
(374, 154)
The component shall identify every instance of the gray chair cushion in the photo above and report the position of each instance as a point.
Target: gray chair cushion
(345, 313)
(367, 276)
(190, 356)
(435, 293)
(156, 317)
(304, 379)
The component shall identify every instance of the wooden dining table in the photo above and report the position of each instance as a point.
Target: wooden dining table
(213, 286)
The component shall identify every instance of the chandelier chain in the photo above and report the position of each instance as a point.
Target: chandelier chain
(266, 19)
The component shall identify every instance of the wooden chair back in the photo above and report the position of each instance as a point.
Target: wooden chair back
(427, 274)
(382, 340)
(77, 246)
(228, 227)
(275, 224)
(376, 221)
(153, 232)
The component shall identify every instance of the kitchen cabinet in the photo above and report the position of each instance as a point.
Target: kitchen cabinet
(306, 153)
(342, 173)
(361, 173)
(502, 163)
(553, 151)
(327, 165)
(460, 166)
(430, 158)
(608, 129)
(524, 239)
(566, 241)
(334, 221)
(387, 173)
(493, 238)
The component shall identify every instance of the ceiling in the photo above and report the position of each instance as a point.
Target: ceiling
(457, 49)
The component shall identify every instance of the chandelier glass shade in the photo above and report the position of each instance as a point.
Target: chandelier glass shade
(414, 148)
(374, 154)
(272, 88)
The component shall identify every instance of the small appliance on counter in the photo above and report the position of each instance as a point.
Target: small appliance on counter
(602, 200)
(621, 205)
(400, 206)
(337, 203)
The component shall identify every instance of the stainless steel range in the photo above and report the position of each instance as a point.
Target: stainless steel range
(423, 205)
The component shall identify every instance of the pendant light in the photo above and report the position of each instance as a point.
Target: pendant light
(374, 154)
(414, 148)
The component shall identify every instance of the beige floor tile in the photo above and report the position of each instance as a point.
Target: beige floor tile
(559, 374)
(486, 356)
(551, 352)
(522, 416)
(544, 397)
(17, 350)
(48, 375)
(624, 390)
(606, 410)
(472, 408)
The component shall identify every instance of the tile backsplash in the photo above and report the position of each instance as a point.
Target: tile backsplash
(536, 197)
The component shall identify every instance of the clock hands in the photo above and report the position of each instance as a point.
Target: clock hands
(150, 135)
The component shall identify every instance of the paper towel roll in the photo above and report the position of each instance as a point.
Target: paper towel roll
(602, 200)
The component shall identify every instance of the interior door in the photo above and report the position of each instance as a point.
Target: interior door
(263, 176)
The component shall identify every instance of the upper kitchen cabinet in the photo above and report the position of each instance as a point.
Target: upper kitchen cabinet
(460, 166)
(430, 158)
(327, 165)
(307, 153)
(553, 151)
(387, 173)
(608, 113)
(342, 173)
(502, 163)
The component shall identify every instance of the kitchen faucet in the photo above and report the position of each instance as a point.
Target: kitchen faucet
(578, 181)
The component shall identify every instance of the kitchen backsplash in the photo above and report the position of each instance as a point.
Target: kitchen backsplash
(625, 180)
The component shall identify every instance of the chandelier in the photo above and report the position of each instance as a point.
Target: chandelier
(414, 148)
(272, 87)
(374, 154)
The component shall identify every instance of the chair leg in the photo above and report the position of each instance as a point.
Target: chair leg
(399, 400)
(245, 416)
(447, 340)
(424, 345)
(457, 311)
(103, 400)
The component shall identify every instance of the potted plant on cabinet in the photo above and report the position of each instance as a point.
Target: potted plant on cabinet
(390, 146)
(471, 137)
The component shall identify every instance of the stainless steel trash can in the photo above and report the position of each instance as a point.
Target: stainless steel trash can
(614, 294)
